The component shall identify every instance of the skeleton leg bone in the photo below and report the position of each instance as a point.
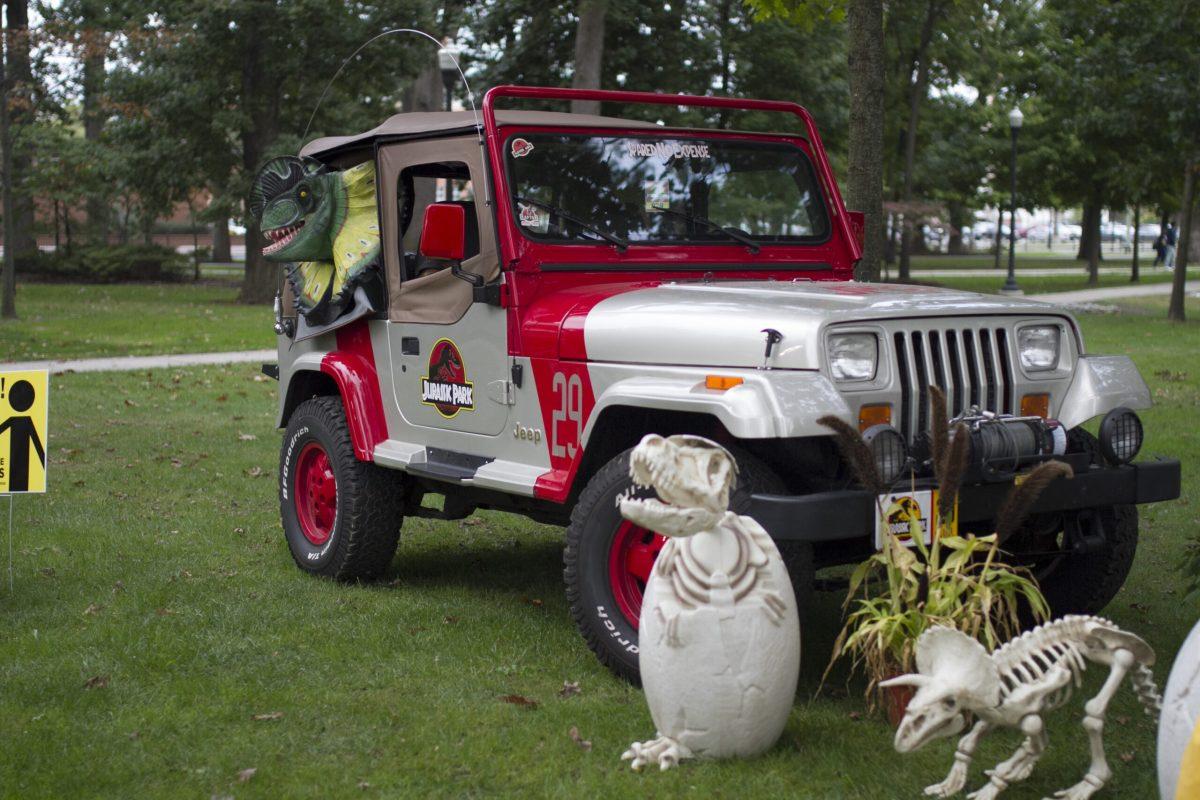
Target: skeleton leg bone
(1019, 766)
(1093, 722)
(957, 778)
(664, 750)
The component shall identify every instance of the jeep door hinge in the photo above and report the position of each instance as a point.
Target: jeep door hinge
(502, 392)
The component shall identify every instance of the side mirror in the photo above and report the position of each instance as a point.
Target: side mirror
(444, 232)
(858, 226)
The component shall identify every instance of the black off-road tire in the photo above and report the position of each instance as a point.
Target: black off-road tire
(1086, 583)
(590, 537)
(369, 506)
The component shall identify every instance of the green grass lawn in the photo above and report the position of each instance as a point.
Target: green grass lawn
(67, 320)
(155, 573)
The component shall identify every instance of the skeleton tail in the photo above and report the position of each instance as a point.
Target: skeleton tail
(1143, 684)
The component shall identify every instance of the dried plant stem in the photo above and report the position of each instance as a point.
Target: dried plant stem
(953, 469)
(939, 430)
(1016, 507)
(855, 451)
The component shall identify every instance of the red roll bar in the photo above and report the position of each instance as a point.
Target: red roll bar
(698, 101)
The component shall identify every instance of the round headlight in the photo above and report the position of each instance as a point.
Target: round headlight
(853, 356)
(889, 449)
(1121, 435)
(1038, 347)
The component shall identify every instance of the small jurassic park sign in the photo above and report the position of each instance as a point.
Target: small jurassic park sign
(446, 387)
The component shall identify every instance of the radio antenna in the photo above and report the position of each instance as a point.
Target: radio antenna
(380, 35)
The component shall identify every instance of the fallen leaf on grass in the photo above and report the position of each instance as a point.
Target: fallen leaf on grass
(246, 437)
(135, 735)
(92, 610)
(130, 403)
(584, 744)
(364, 785)
(176, 462)
(165, 612)
(569, 689)
(471, 522)
(119, 586)
(450, 620)
(855, 715)
(246, 774)
(96, 682)
(255, 472)
(1127, 757)
(269, 716)
(46, 572)
(1122, 720)
(519, 700)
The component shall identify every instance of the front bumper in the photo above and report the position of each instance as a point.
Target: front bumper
(850, 515)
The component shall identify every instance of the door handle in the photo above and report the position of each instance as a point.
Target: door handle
(410, 346)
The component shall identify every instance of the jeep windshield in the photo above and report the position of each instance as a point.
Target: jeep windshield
(637, 189)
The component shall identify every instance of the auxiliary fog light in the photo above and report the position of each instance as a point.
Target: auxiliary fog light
(1121, 435)
(889, 449)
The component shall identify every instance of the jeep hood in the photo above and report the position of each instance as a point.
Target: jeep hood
(721, 323)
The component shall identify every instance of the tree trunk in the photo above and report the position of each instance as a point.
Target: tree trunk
(1176, 311)
(1134, 274)
(8, 301)
(589, 53)
(221, 251)
(864, 188)
(21, 117)
(94, 55)
(999, 236)
(260, 102)
(1090, 240)
(916, 96)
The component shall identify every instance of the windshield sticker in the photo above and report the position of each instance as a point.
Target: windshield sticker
(446, 387)
(535, 218)
(665, 150)
(658, 195)
(521, 148)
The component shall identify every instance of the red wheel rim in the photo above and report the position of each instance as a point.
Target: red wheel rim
(630, 560)
(316, 494)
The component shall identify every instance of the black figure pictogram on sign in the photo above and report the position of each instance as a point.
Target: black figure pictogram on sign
(20, 439)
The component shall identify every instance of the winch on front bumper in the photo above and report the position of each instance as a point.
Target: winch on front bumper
(850, 514)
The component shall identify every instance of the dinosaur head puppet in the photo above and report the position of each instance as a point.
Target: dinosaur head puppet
(324, 224)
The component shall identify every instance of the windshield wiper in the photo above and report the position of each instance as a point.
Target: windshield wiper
(731, 232)
(590, 227)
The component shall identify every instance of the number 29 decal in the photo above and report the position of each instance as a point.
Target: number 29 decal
(566, 421)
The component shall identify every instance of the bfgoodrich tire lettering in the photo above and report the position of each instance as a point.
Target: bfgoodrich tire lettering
(594, 527)
(357, 541)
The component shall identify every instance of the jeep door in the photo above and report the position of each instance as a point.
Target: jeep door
(448, 354)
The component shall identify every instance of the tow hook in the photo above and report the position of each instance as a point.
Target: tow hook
(1086, 535)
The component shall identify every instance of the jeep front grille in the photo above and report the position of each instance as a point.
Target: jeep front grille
(972, 365)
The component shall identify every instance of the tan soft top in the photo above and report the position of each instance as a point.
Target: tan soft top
(441, 123)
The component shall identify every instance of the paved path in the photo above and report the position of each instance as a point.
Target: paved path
(1112, 293)
(133, 363)
(1032, 272)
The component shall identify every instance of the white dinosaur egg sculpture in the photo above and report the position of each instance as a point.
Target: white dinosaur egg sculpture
(1178, 732)
(719, 633)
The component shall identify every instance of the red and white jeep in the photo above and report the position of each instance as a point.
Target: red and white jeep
(555, 286)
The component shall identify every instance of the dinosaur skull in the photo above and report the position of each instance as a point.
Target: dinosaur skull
(954, 675)
(692, 476)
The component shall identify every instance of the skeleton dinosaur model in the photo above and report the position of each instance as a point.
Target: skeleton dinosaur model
(324, 224)
(1013, 688)
(719, 630)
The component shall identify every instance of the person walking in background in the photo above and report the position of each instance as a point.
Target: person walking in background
(1169, 237)
(1160, 249)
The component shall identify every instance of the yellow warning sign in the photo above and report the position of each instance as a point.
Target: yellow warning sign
(24, 430)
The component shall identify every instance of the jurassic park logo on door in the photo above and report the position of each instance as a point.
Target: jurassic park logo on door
(446, 387)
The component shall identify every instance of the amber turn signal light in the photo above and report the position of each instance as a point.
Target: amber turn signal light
(1035, 405)
(721, 382)
(870, 416)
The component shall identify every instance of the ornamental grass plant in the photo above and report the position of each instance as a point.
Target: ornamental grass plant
(957, 581)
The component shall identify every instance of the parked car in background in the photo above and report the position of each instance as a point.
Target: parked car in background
(1069, 232)
(1148, 232)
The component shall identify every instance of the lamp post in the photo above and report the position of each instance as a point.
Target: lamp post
(1015, 118)
(448, 64)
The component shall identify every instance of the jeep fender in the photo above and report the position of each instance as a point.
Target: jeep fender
(352, 369)
(1102, 383)
(767, 404)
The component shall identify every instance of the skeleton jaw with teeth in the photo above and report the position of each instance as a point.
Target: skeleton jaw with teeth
(693, 478)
